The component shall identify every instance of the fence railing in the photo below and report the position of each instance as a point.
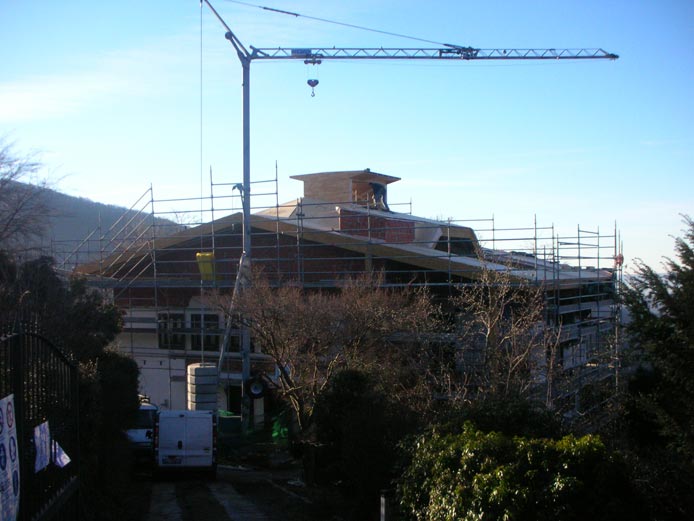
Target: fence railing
(43, 385)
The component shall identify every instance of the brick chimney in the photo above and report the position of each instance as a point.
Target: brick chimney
(344, 187)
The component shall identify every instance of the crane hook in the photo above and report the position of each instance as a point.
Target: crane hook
(312, 83)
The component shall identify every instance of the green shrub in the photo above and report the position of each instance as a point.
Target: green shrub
(476, 475)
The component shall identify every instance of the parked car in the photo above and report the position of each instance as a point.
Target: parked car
(141, 435)
(186, 440)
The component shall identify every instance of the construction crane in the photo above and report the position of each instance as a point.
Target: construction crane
(315, 56)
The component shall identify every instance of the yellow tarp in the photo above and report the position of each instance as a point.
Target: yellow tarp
(206, 265)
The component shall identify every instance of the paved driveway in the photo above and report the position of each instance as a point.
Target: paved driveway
(193, 500)
(238, 494)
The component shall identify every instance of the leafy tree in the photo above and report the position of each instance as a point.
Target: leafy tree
(67, 309)
(662, 329)
(656, 431)
(84, 324)
(475, 475)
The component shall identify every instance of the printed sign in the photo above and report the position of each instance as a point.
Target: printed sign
(42, 442)
(60, 457)
(9, 461)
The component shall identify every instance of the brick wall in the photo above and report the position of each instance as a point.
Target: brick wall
(390, 230)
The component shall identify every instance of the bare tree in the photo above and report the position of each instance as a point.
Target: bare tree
(311, 335)
(24, 213)
(506, 347)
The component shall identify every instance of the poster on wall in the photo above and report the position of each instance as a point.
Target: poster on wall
(9, 461)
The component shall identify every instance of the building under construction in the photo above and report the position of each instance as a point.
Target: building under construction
(163, 275)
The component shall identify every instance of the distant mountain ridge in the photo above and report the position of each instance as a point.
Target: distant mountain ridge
(80, 230)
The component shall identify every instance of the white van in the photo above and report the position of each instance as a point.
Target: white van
(141, 434)
(186, 440)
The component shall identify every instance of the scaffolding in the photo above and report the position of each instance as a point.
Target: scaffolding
(164, 258)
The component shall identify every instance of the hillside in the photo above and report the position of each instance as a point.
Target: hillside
(80, 229)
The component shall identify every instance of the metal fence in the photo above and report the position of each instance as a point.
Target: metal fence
(44, 386)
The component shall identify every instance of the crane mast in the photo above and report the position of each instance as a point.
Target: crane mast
(315, 56)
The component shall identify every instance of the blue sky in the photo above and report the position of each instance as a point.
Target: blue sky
(110, 96)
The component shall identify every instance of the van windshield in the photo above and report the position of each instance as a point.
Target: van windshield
(145, 419)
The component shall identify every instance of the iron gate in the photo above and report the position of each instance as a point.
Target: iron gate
(44, 383)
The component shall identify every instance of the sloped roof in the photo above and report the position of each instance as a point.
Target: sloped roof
(318, 220)
(314, 213)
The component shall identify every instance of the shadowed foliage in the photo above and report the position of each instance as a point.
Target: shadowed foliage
(657, 429)
(476, 475)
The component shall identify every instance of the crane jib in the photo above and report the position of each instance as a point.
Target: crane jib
(442, 53)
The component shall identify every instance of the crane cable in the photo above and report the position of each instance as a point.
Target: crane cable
(344, 24)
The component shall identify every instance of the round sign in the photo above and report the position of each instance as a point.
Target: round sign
(10, 415)
(3, 457)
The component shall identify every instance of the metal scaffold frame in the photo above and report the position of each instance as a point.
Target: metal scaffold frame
(153, 265)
